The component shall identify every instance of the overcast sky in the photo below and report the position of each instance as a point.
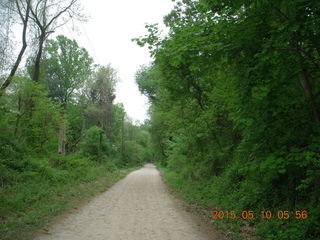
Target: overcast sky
(107, 36)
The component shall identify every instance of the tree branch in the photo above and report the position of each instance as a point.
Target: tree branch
(60, 13)
(23, 48)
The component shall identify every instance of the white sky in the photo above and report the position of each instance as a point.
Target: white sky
(112, 25)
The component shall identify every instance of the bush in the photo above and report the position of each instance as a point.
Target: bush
(95, 144)
(134, 154)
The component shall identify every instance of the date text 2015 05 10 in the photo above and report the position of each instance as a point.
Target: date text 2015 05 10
(264, 214)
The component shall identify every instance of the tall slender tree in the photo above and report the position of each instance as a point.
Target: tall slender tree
(23, 8)
(47, 16)
(66, 68)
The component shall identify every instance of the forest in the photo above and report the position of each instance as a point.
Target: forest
(234, 115)
(234, 92)
(60, 130)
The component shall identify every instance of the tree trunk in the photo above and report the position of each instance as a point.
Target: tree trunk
(122, 138)
(22, 50)
(37, 64)
(99, 148)
(62, 135)
(18, 117)
(306, 85)
(304, 81)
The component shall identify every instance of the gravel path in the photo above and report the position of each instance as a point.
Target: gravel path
(139, 207)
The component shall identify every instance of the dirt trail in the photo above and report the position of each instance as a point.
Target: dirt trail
(139, 207)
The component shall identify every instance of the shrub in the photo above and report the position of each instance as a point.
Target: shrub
(95, 144)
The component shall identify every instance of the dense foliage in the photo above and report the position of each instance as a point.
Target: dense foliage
(58, 133)
(235, 107)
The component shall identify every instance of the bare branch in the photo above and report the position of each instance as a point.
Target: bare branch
(19, 12)
(61, 12)
(36, 9)
(23, 48)
(35, 16)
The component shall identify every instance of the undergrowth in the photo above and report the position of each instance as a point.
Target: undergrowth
(40, 189)
(217, 194)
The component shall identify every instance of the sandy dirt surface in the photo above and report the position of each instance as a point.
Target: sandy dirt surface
(139, 207)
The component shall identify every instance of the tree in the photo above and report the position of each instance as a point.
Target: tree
(47, 16)
(95, 144)
(235, 99)
(119, 114)
(23, 8)
(66, 68)
(7, 18)
(34, 132)
(146, 78)
(101, 93)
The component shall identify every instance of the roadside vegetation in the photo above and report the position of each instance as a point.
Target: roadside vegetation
(62, 137)
(30, 204)
(234, 91)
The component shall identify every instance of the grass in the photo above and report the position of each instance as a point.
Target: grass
(202, 201)
(30, 202)
(207, 195)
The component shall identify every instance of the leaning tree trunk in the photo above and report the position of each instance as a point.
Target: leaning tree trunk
(22, 50)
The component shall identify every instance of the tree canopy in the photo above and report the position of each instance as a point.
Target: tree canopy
(235, 104)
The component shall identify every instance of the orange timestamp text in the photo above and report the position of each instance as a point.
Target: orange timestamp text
(249, 214)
